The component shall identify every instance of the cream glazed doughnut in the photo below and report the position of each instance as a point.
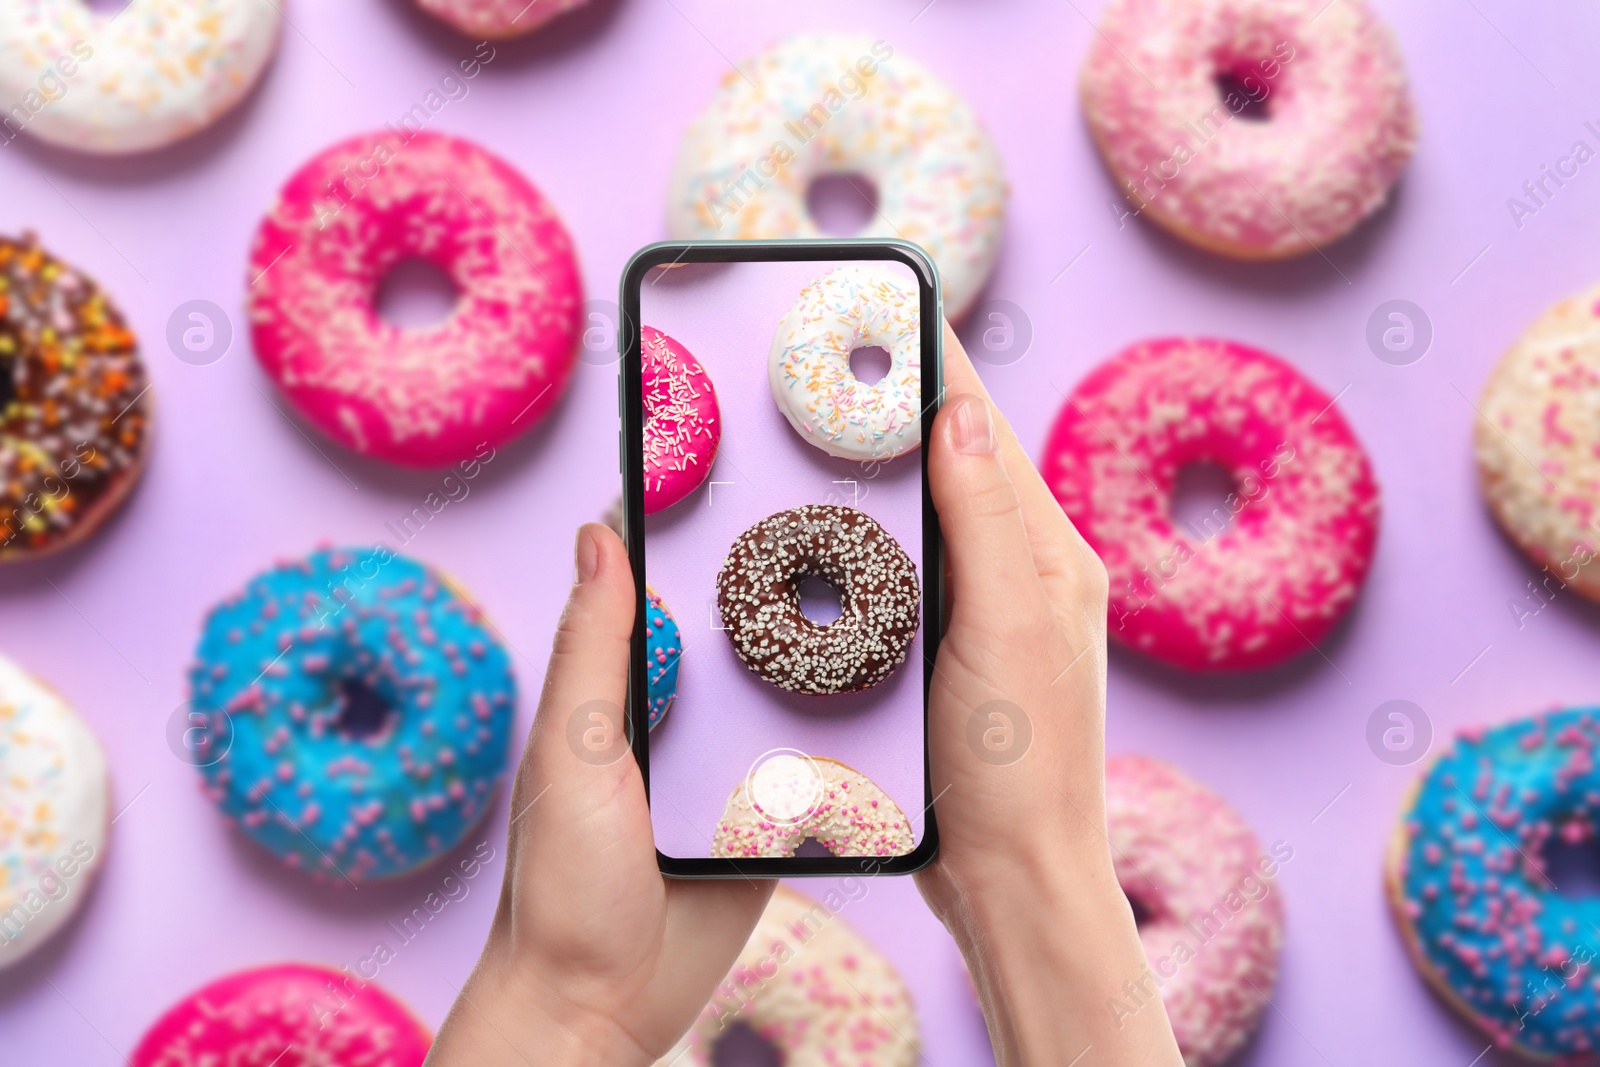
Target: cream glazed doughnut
(148, 75)
(860, 305)
(683, 424)
(1536, 443)
(54, 812)
(1212, 925)
(416, 397)
(830, 104)
(1166, 82)
(790, 798)
(253, 1018)
(497, 19)
(1304, 513)
(814, 988)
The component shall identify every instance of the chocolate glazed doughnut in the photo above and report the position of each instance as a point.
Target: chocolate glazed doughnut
(74, 403)
(879, 594)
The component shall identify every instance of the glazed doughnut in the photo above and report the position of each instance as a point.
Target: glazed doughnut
(812, 986)
(1213, 924)
(1536, 441)
(851, 307)
(1466, 882)
(829, 104)
(359, 711)
(879, 595)
(1304, 509)
(1166, 82)
(832, 803)
(664, 647)
(150, 74)
(683, 424)
(74, 404)
(418, 397)
(54, 812)
(497, 19)
(253, 1018)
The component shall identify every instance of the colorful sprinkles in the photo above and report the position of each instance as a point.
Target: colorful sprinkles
(360, 713)
(851, 307)
(683, 424)
(74, 403)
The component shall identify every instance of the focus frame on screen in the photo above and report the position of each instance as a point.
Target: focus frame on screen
(631, 461)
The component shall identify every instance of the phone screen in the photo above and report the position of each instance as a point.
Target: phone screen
(779, 515)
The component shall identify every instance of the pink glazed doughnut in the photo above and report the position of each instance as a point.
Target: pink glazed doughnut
(1173, 90)
(1211, 920)
(289, 1015)
(497, 19)
(423, 397)
(1269, 572)
(682, 423)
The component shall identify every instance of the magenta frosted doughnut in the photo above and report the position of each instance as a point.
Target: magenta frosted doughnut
(254, 1018)
(497, 19)
(1211, 915)
(1270, 571)
(683, 424)
(1170, 88)
(420, 397)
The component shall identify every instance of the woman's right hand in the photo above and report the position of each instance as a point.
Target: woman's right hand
(1024, 879)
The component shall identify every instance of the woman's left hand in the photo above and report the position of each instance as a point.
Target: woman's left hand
(593, 957)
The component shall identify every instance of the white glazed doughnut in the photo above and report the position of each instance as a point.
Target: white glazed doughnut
(809, 984)
(55, 793)
(791, 798)
(831, 104)
(154, 73)
(1537, 445)
(851, 307)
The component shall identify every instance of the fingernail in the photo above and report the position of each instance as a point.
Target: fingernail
(973, 429)
(586, 555)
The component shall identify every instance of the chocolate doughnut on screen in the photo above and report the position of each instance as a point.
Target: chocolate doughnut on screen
(758, 595)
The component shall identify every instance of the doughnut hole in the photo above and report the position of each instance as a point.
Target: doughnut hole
(1244, 81)
(741, 1046)
(1143, 914)
(416, 294)
(106, 7)
(1199, 505)
(842, 205)
(363, 713)
(820, 600)
(870, 364)
(1571, 861)
(812, 849)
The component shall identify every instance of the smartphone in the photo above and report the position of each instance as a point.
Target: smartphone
(774, 399)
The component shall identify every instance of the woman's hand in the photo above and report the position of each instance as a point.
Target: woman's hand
(1024, 879)
(593, 956)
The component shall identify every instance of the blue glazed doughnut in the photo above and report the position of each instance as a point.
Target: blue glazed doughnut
(1468, 885)
(664, 645)
(358, 713)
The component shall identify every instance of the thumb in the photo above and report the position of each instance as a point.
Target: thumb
(980, 513)
(581, 722)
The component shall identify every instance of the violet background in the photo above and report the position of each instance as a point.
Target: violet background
(725, 718)
(592, 108)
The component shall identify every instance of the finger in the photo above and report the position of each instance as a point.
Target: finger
(980, 513)
(1058, 549)
(708, 922)
(577, 751)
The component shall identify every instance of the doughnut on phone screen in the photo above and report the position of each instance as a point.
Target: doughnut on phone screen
(779, 470)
